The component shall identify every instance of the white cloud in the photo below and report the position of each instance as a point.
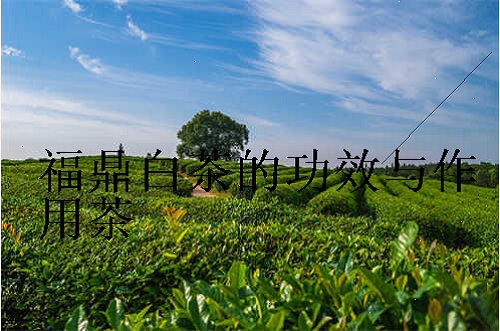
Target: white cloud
(7, 50)
(92, 65)
(73, 5)
(134, 30)
(307, 13)
(119, 3)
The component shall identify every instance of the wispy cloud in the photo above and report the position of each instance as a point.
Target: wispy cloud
(76, 8)
(206, 6)
(145, 83)
(92, 65)
(134, 30)
(240, 70)
(224, 7)
(327, 47)
(11, 51)
(446, 116)
(476, 34)
(89, 20)
(24, 99)
(73, 5)
(174, 42)
(26, 115)
(258, 121)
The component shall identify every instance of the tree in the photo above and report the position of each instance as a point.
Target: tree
(212, 130)
(482, 177)
(121, 148)
(493, 174)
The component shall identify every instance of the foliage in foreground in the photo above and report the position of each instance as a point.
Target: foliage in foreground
(411, 294)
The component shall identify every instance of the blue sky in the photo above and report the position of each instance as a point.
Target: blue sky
(304, 74)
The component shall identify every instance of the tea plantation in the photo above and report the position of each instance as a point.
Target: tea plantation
(345, 258)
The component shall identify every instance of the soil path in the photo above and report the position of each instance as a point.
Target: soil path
(198, 192)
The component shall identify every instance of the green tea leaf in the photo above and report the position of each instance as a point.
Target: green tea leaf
(169, 255)
(401, 245)
(276, 321)
(453, 322)
(384, 291)
(483, 311)
(199, 315)
(305, 322)
(180, 236)
(115, 313)
(345, 264)
(237, 276)
(78, 321)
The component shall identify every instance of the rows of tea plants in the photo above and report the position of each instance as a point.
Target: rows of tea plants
(459, 219)
(341, 199)
(466, 218)
(229, 263)
(231, 182)
(300, 192)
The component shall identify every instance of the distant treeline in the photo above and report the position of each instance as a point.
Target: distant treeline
(485, 173)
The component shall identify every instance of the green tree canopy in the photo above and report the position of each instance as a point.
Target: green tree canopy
(212, 130)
